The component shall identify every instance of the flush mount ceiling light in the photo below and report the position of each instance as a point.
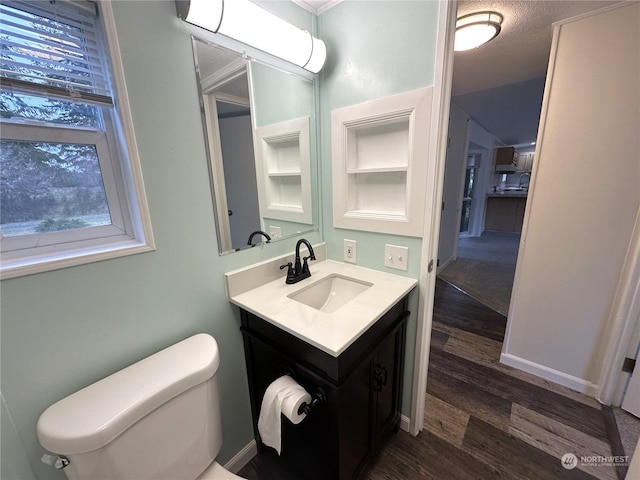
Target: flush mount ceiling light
(476, 29)
(248, 23)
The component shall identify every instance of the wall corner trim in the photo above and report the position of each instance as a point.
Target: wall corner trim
(244, 456)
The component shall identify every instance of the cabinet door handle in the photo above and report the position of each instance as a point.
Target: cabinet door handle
(380, 380)
(384, 373)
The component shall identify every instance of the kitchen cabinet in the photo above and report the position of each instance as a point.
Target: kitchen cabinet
(362, 386)
(505, 213)
(507, 156)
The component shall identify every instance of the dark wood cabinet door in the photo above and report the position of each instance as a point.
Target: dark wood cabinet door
(386, 380)
(356, 415)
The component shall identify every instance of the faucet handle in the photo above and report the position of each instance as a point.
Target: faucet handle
(289, 267)
(291, 273)
(305, 265)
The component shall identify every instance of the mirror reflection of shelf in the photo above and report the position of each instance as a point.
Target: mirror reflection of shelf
(283, 163)
(285, 192)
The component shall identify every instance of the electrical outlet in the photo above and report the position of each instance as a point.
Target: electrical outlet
(275, 232)
(349, 251)
(396, 257)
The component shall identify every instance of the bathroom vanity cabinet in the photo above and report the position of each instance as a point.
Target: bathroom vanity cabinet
(340, 437)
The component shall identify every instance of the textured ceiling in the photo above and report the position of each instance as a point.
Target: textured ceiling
(521, 51)
(500, 84)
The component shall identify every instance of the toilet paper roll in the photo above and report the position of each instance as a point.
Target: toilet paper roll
(283, 396)
(291, 405)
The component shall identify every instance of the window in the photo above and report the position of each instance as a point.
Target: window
(70, 186)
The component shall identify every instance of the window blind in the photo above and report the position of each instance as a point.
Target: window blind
(51, 49)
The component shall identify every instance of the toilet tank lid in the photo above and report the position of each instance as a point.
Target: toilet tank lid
(92, 417)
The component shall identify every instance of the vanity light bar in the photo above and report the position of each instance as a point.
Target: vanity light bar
(248, 23)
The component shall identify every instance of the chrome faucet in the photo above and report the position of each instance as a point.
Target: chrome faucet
(522, 178)
(258, 232)
(300, 269)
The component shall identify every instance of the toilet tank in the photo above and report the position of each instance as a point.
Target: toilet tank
(156, 419)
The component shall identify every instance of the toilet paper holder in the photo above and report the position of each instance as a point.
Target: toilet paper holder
(317, 398)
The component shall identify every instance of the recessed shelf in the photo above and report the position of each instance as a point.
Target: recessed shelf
(379, 145)
(354, 171)
(378, 192)
(284, 174)
(379, 163)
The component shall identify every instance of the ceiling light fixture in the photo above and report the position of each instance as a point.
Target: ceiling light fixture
(476, 29)
(248, 23)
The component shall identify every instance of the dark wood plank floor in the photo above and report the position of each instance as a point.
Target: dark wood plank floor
(484, 420)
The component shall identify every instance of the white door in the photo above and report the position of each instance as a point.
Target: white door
(631, 399)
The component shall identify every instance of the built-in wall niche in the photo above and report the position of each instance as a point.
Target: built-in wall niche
(379, 154)
(283, 163)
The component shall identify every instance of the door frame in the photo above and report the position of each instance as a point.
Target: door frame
(624, 321)
(433, 198)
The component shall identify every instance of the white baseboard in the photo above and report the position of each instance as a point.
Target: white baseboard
(241, 458)
(404, 423)
(561, 378)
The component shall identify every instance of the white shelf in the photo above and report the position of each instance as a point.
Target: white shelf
(284, 171)
(379, 159)
(284, 174)
(354, 171)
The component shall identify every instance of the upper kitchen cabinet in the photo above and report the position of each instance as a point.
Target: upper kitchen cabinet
(525, 161)
(509, 160)
(506, 160)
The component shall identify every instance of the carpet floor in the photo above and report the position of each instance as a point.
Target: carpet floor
(485, 268)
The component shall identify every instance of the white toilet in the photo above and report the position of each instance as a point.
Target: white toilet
(158, 419)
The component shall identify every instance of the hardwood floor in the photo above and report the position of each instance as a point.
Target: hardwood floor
(485, 420)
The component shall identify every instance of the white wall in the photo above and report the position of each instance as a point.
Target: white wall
(65, 329)
(465, 134)
(366, 61)
(240, 178)
(455, 164)
(586, 183)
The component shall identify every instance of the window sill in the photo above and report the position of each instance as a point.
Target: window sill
(19, 267)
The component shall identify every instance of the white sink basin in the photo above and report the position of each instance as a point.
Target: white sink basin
(330, 293)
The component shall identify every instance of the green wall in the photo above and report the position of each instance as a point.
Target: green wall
(65, 329)
(374, 49)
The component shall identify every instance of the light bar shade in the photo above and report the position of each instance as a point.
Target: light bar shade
(476, 29)
(246, 22)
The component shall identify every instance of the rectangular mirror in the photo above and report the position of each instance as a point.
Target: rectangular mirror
(260, 129)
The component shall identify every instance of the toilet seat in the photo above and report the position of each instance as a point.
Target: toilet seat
(215, 471)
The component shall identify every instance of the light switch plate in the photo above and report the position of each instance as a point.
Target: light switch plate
(396, 257)
(275, 232)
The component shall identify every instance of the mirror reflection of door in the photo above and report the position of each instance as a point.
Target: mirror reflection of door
(236, 146)
(227, 110)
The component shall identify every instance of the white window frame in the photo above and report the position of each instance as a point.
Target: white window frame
(130, 231)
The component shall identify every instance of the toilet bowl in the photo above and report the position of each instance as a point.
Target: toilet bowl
(158, 419)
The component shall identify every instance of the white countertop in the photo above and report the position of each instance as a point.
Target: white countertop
(509, 194)
(330, 332)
